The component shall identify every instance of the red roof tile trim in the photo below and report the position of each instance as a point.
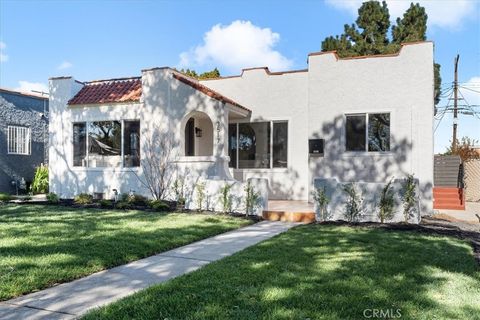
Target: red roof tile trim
(109, 91)
(206, 90)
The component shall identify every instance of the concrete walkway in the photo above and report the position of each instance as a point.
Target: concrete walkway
(70, 300)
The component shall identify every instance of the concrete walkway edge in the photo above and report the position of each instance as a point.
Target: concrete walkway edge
(73, 299)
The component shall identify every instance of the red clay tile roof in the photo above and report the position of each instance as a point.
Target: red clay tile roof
(206, 90)
(108, 91)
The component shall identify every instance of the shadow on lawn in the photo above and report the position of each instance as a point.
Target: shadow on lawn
(57, 250)
(320, 272)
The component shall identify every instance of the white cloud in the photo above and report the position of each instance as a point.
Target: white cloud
(3, 56)
(443, 14)
(25, 86)
(238, 45)
(65, 65)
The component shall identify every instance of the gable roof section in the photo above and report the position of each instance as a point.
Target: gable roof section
(109, 91)
(206, 90)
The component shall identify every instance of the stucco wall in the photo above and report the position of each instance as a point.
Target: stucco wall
(21, 110)
(315, 103)
(274, 98)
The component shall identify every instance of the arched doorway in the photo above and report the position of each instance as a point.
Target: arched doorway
(198, 135)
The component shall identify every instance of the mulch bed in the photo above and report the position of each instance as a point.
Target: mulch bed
(429, 225)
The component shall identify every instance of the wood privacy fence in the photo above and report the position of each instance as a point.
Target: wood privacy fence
(448, 171)
(472, 180)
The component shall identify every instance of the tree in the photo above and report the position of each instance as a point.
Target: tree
(369, 35)
(213, 74)
(412, 27)
(156, 164)
(465, 149)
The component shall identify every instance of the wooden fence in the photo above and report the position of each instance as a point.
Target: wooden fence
(448, 171)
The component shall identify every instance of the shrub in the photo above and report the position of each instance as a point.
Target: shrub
(105, 203)
(83, 198)
(200, 188)
(409, 196)
(123, 205)
(320, 197)
(225, 198)
(52, 198)
(4, 197)
(251, 199)
(386, 203)
(354, 202)
(40, 181)
(178, 189)
(159, 205)
(133, 199)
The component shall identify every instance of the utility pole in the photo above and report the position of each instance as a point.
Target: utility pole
(455, 105)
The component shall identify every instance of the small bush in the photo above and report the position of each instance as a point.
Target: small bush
(52, 198)
(105, 203)
(386, 203)
(4, 197)
(252, 199)
(200, 188)
(320, 197)
(159, 205)
(409, 197)
(83, 198)
(123, 205)
(134, 199)
(40, 181)
(353, 207)
(225, 197)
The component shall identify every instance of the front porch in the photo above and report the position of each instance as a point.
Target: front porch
(290, 210)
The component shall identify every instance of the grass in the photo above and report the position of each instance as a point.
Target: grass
(44, 245)
(321, 272)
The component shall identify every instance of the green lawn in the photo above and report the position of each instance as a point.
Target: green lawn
(321, 272)
(44, 245)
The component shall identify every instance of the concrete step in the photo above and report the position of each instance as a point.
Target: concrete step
(278, 215)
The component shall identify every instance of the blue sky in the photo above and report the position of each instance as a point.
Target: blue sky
(106, 39)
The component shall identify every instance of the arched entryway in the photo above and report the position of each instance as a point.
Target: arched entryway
(198, 135)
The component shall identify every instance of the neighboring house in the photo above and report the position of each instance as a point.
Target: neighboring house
(23, 138)
(362, 119)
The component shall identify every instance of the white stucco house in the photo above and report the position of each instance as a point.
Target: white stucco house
(363, 119)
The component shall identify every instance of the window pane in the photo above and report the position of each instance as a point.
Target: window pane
(232, 145)
(104, 143)
(131, 143)
(254, 145)
(379, 132)
(355, 133)
(79, 145)
(280, 144)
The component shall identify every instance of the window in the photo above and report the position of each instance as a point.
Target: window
(258, 145)
(18, 140)
(79, 145)
(280, 144)
(104, 144)
(232, 145)
(131, 144)
(107, 142)
(367, 132)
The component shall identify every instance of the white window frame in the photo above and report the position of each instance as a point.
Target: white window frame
(87, 131)
(366, 114)
(271, 122)
(19, 140)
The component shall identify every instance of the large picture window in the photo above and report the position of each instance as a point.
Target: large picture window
(18, 140)
(367, 132)
(258, 145)
(107, 142)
